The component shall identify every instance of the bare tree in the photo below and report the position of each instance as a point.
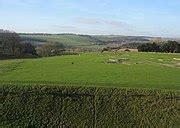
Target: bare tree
(9, 42)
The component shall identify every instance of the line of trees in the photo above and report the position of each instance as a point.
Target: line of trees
(10, 45)
(168, 47)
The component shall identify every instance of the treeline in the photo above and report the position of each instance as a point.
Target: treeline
(10, 45)
(131, 45)
(51, 49)
(168, 47)
(13, 46)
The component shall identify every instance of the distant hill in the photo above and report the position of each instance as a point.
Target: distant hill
(87, 41)
(69, 40)
(119, 40)
(122, 39)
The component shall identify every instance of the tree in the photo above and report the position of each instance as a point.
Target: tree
(177, 50)
(1, 48)
(14, 42)
(9, 42)
(27, 48)
(51, 49)
(169, 46)
(148, 47)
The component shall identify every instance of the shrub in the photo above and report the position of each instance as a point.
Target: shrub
(169, 47)
(54, 106)
(50, 49)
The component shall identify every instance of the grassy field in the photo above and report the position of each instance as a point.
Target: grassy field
(135, 70)
(75, 41)
(88, 90)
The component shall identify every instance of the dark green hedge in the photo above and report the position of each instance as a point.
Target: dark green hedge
(82, 107)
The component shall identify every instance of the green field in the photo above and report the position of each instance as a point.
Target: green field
(121, 69)
(95, 90)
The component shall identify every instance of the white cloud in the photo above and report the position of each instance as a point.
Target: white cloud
(111, 23)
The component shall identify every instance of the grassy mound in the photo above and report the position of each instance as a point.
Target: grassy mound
(55, 106)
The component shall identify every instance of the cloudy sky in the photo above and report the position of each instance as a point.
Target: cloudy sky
(120, 17)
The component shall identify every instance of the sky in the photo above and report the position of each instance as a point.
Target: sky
(103, 17)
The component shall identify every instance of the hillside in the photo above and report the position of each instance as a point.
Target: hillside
(84, 41)
(91, 42)
(69, 40)
(122, 39)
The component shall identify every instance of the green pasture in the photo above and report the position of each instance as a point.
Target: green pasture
(115, 69)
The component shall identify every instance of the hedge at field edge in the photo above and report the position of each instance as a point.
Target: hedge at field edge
(88, 107)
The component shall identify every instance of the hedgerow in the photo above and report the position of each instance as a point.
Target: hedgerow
(87, 107)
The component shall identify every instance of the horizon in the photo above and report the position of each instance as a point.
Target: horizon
(97, 35)
(97, 17)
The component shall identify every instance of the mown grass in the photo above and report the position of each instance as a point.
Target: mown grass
(134, 70)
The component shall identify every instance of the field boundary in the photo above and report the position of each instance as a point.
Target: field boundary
(57, 84)
(96, 107)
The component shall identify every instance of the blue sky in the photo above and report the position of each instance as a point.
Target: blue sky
(120, 17)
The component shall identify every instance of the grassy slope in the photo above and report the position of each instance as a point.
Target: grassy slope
(144, 70)
(68, 40)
